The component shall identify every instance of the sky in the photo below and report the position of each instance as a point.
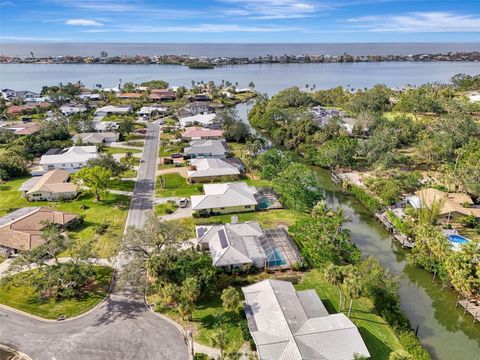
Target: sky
(239, 21)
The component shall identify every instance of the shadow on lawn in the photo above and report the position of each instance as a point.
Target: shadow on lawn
(377, 348)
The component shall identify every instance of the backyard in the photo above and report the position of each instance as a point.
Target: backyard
(22, 296)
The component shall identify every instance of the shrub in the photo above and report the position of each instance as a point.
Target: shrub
(367, 200)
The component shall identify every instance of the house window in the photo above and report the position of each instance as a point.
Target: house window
(222, 208)
(248, 206)
(36, 195)
(63, 165)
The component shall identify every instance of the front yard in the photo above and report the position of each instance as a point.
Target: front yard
(103, 220)
(120, 150)
(176, 186)
(23, 296)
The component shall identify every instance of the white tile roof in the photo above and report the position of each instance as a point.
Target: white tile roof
(287, 324)
(233, 244)
(224, 195)
(212, 167)
(74, 154)
(207, 147)
(204, 119)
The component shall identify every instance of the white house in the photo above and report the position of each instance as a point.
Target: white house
(203, 170)
(70, 109)
(111, 109)
(95, 138)
(198, 107)
(8, 94)
(70, 159)
(200, 149)
(295, 325)
(51, 186)
(233, 245)
(150, 111)
(225, 198)
(202, 119)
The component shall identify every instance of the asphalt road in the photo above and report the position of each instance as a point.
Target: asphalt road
(121, 328)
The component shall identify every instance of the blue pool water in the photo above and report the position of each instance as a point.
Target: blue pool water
(276, 258)
(457, 239)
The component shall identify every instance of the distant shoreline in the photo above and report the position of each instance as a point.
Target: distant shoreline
(211, 62)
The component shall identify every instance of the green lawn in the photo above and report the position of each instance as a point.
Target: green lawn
(118, 150)
(167, 208)
(124, 185)
(168, 149)
(131, 173)
(23, 297)
(112, 210)
(135, 143)
(204, 317)
(176, 185)
(377, 334)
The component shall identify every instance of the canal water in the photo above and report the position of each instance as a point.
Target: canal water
(443, 329)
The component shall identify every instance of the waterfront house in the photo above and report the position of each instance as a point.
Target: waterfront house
(198, 133)
(71, 159)
(25, 95)
(212, 169)
(95, 138)
(235, 245)
(22, 228)
(199, 107)
(201, 119)
(200, 149)
(8, 94)
(322, 116)
(295, 325)
(225, 198)
(51, 186)
(452, 205)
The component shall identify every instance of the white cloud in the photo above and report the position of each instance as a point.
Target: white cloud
(274, 9)
(201, 28)
(118, 6)
(83, 22)
(417, 22)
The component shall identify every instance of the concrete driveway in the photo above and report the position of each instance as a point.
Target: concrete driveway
(121, 327)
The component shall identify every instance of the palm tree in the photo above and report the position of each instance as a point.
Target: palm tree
(333, 275)
(353, 287)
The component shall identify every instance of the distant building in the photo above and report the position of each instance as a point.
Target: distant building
(21, 128)
(151, 111)
(295, 325)
(130, 95)
(22, 229)
(70, 109)
(161, 95)
(51, 186)
(199, 107)
(322, 116)
(200, 149)
(113, 110)
(225, 198)
(71, 159)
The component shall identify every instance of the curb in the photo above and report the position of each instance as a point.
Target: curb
(16, 352)
(38, 318)
(172, 322)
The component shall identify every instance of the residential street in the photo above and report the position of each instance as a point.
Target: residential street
(122, 327)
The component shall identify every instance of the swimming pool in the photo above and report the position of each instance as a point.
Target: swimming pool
(276, 258)
(264, 203)
(458, 239)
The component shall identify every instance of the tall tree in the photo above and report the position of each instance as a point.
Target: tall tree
(96, 179)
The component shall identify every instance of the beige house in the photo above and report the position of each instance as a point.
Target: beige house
(51, 186)
(22, 229)
(453, 205)
(209, 170)
(225, 198)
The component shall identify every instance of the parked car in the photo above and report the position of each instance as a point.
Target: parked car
(176, 155)
(183, 203)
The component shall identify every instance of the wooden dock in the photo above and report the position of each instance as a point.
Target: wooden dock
(336, 178)
(401, 238)
(470, 306)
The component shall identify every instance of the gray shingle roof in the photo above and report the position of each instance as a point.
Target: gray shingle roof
(225, 195)
(210, 147)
